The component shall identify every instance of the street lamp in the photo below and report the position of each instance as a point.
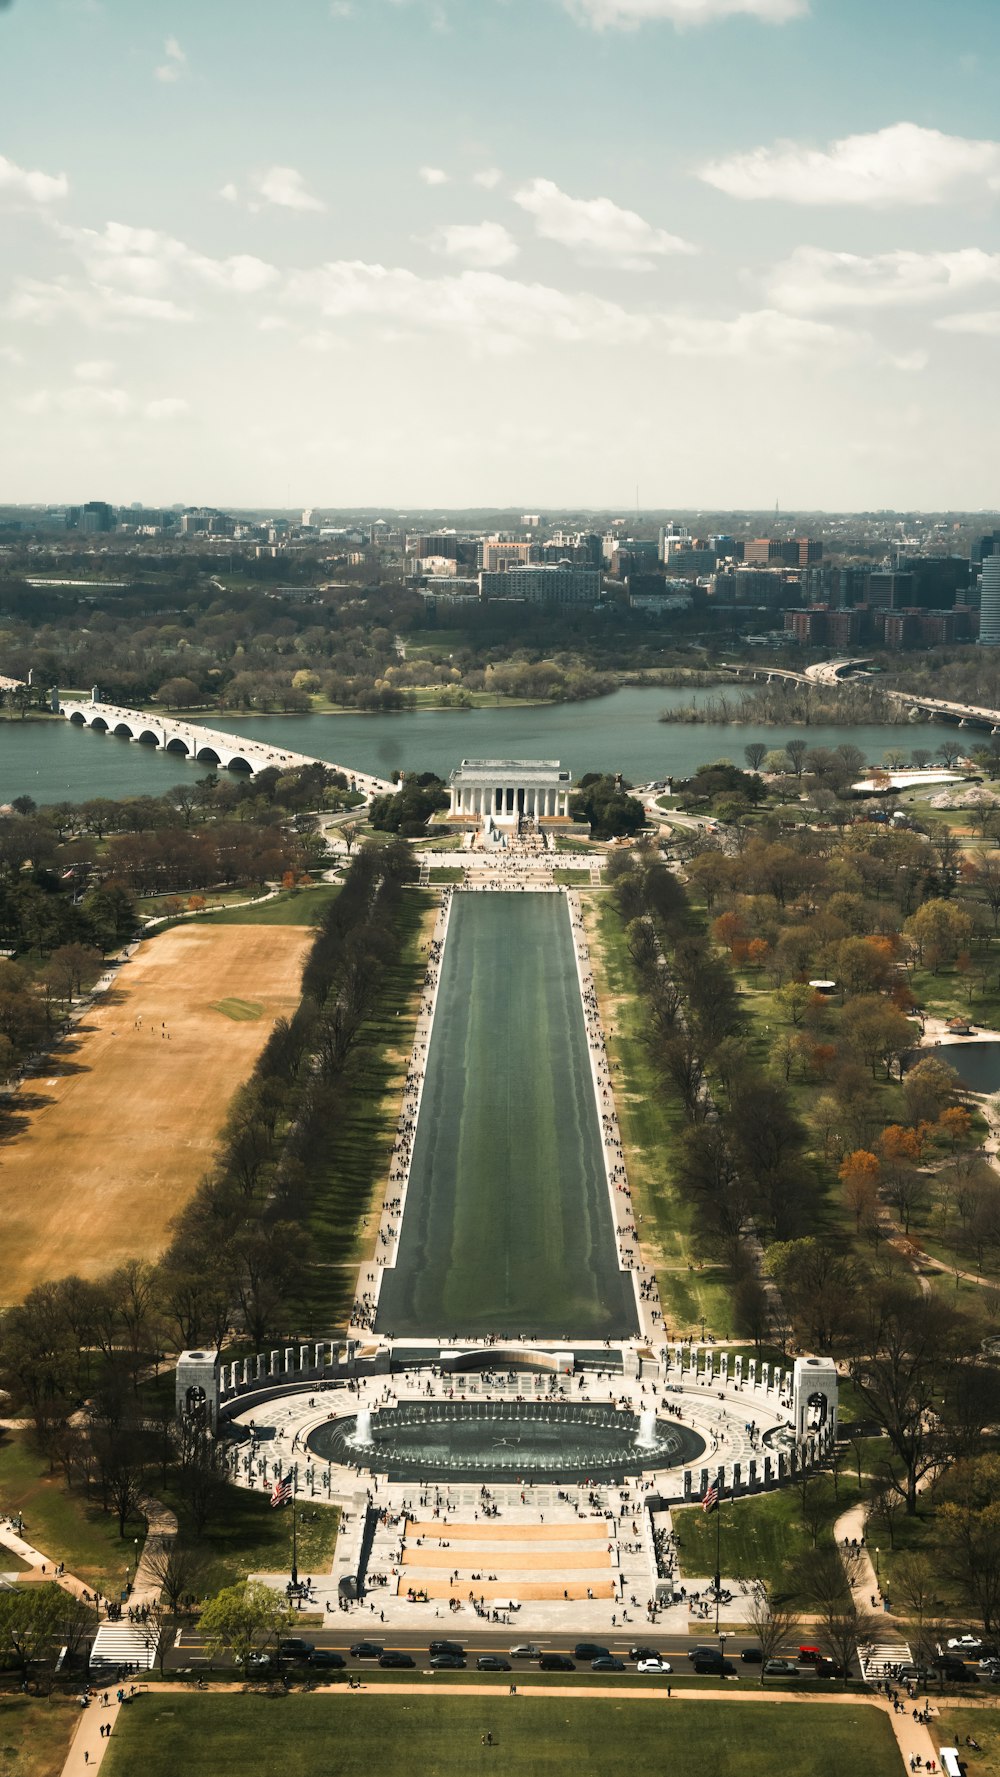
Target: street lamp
(876, 1569)
(135, 1568)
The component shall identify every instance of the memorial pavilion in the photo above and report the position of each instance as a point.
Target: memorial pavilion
(505, 791)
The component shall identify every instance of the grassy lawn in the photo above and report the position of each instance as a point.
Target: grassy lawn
(299, 907)
(762, 1537)
(443, 1736)
(346, 1186)
(952, 1727)
(446, 873)
(651, 1124)
(246, 1536)
(35, 1734)
(64, 1525)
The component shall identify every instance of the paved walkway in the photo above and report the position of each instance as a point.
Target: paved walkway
(41, 1566)
(88, 1745)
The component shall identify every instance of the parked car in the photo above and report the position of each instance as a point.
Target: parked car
(705, 1653)
(293, 1647)
(447, 1662)
(328, 1656)
(607, 1663)
(446, 1647)
(714, 1668)
(492, 1663)
(525, 1650)
(779, 1668)
(556, 1663)
(396, 1660)
(655, 1666)
(366, 1650)
(644, 1653)
(752, 1656)
(590, 1650)
(964, 1644)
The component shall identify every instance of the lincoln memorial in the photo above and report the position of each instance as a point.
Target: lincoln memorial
(508, 790)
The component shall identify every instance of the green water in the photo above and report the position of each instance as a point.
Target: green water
(56, 762)
(507, 1226)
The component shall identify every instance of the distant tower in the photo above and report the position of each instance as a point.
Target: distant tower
(989, 604)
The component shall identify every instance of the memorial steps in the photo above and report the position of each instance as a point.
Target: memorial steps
(504, 1562)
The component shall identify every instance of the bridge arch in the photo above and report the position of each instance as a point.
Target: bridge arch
(147, 737)
(123, 728)
(79, 718)
(238, 763)
(99, 723)
(208, 756)
(176, 745)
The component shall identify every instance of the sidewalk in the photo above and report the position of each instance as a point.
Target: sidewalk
(88, 1745)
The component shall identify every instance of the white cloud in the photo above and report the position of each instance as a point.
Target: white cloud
(985, 322)
(489, 178)
(97, 305)
(340, 9)
(93, 370)
(812, 278)
(901, 164)
(175, 64)
(230, 193)
(495, 314)
(165, 407)
(485, 245)
(145, 260)
(11, 355)
(286, 187)
(597, 230)
(84, 400)
(433, 175)
(628, 14)
(40, 188)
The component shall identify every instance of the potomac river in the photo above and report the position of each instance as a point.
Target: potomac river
(59, 762)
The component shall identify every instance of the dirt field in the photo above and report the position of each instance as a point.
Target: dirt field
(109, 1146)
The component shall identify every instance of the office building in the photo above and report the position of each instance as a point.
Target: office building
(543, 584)
(989, 603)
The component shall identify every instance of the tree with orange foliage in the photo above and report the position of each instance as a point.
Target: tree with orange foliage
(729, 930)
(859, 1174)
(956, 1124)
(758, 951)
(901, 1146)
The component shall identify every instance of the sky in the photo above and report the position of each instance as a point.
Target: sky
(695, 253)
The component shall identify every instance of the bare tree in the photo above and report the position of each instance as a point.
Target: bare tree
(769, 1615)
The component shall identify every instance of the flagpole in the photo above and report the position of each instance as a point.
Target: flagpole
(718, 1545)
(295, 1542)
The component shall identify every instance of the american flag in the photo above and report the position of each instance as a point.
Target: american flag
(282, 1491)
(709, 1501)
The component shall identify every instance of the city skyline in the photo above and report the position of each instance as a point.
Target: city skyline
(473, 253)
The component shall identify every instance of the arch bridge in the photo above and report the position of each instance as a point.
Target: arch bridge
(208, 746)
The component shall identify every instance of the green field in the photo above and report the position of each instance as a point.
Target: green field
(507, 1225)
(443, 1736)
(299, 907)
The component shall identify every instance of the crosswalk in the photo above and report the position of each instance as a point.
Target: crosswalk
(880, 1658)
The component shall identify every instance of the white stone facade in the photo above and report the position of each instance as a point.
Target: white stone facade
(506, 790)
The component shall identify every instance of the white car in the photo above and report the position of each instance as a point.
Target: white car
(969, 1644)
(654, 1666)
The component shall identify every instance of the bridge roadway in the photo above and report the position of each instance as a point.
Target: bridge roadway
(209, 746)
(832, 672)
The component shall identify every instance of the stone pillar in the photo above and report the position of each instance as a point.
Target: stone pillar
(261, 1363)
(778, 1373)
(752, 1370)
(319, 1362)
(709, 1366)
(275, 1369)
(768, 1466)
(246, 1371)
(765, 1377)
(679, 1357)
(289, 1359)
(724, 1366)
(303, 1357)
(736, 1479)
(704, 1484)
(738, 1361)
(687, 1483)
(752, 1474)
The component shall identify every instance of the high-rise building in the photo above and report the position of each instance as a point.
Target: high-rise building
(989, 604)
